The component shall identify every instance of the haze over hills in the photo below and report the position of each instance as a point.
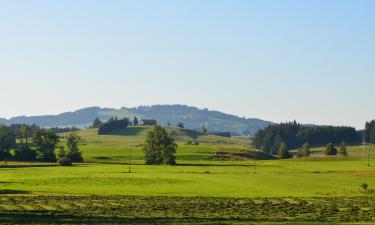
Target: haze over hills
(192, 117)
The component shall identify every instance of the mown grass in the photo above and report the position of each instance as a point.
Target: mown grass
(276, 178)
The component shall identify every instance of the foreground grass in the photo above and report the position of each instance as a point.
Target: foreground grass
(277, 178)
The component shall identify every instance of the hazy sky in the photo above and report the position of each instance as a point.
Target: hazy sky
(313, 61)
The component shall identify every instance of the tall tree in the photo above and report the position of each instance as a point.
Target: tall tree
(306, 150)
(283, 152)
(7, 140)
(73, 141)
(135, 121)
(45, 142)
(159, 147)
(24, 135)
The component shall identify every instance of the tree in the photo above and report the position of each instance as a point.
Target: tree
(306, 150)
(180, 125)
(45, 142)
(63, 160)
(97, 123)
(113, 125)
(343, 150)
(295, 135)
(72, 142)
(24, 134)
(159, 147)
(283, 152)
(135, 121)
(299, 153)
(330, 149)
(204, 128)
(7, 140)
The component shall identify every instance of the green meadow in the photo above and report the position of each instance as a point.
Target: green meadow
(212, 182)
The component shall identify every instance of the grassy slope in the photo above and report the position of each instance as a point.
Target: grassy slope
(115, 147)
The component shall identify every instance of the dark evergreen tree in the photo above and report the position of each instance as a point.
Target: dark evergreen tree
(97, 123)
(7, 140)
(294, 135)
(135, 121)
(113, 125)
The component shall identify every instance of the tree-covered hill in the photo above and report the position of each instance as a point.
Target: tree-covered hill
(192, 118)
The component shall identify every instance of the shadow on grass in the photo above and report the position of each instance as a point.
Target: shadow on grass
(40, 218)
(27, 165)
(13, 192)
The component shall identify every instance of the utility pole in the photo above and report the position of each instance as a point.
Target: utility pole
(130, 154)
(363, 143)
(255, 162)
(368, 156)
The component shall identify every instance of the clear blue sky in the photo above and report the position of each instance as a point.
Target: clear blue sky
(313, 61)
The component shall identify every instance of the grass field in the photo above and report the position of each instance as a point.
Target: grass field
(200, 189)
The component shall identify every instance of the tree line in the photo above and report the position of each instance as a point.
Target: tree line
(294, 135)
(369, 132)
(21, 142)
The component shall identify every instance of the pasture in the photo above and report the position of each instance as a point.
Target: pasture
(202, 188)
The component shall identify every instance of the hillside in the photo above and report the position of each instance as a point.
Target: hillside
(192, 117)
(115, 148)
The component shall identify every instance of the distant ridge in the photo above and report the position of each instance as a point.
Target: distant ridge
(192, 117)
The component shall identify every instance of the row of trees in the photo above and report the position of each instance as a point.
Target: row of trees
(31, 143)
(294, 135)
(112, 125)
(369, 132)
(304, 151)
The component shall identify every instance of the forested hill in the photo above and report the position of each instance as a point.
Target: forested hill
(191, 117)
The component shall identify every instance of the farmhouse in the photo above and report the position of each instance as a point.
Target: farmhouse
(148, 122)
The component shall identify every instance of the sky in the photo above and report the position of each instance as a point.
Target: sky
(312, 61)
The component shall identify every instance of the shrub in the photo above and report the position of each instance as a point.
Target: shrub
(283, 152)
(299, 153)
(64, 161)
(330, 149)
(364, 186)
(343, 150)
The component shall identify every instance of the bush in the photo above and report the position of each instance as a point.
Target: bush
(65, 161)
(343, 150)
(283, 152)
(330, 149)
(25, 155)
(299, 153)
(364, 186)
